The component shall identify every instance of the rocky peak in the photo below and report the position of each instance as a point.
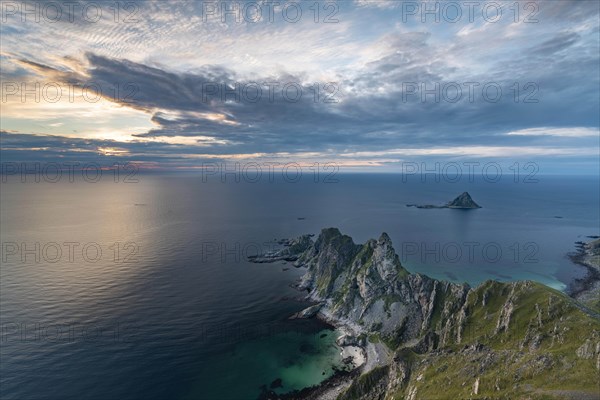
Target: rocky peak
(384, 239)
(386, 261)
(463, 201)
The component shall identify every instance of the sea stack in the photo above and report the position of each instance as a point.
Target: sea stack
(463, 201)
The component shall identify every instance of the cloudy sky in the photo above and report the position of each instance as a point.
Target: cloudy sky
(365, 84)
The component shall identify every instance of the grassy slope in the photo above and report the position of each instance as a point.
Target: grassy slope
(509, 364)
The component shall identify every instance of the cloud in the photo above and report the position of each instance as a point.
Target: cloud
(481, 152)
(558, 43)
(574, 132)
(384, 4)
(178, 87)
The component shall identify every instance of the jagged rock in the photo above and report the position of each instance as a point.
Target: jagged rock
(505, 316)
(400, 373)
(346, 340)
(463, 201)
(587, 350)
(293, 248)
(412, 393)
(427, 343)
(308, 312)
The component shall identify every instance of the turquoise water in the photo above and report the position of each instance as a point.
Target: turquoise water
(182, 313)
(300, 360)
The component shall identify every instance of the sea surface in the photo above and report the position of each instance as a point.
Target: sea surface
(114, 290)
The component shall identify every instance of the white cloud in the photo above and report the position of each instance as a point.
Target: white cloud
(480, 151)
(563, 132)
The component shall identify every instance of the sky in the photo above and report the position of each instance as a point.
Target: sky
(367, 85)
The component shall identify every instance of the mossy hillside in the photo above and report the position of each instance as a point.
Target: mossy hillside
(508, 363)
(498, 340)
(503, 375)
(539, 346)
(537, 310)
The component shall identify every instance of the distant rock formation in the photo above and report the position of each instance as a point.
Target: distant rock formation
(464, 201)
(292, 248)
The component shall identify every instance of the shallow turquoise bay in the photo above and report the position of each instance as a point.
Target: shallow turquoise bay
(300, 360)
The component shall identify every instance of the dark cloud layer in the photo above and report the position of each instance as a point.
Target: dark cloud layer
(377, 106)
(363, 116)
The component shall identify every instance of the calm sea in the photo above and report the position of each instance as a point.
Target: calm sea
(142, 290)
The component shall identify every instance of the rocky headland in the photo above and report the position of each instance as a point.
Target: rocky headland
(430, 339)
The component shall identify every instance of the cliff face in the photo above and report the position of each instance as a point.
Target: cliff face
(450, 340)
(366, 287)
(508, 341)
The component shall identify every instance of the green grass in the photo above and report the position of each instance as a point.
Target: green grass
(505, 368)
(553, 366)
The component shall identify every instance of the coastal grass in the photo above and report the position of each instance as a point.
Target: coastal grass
(535, 356)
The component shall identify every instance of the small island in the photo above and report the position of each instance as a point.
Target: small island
(463, 201)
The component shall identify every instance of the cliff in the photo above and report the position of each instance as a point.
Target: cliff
(520, 339)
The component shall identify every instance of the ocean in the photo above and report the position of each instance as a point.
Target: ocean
(143, 289)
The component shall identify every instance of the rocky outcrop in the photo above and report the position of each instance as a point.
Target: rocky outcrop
(588, 350)
(366, 287)
(463, 201)
(348, 340)
(292, 249)
(308, 312)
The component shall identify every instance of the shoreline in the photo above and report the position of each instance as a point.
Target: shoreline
(330, 388)
(341, 379)
(370, 355)
(584, 289)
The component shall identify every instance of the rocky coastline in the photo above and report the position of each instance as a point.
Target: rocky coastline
(365, 355)
(587, 289)
(405, 324)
